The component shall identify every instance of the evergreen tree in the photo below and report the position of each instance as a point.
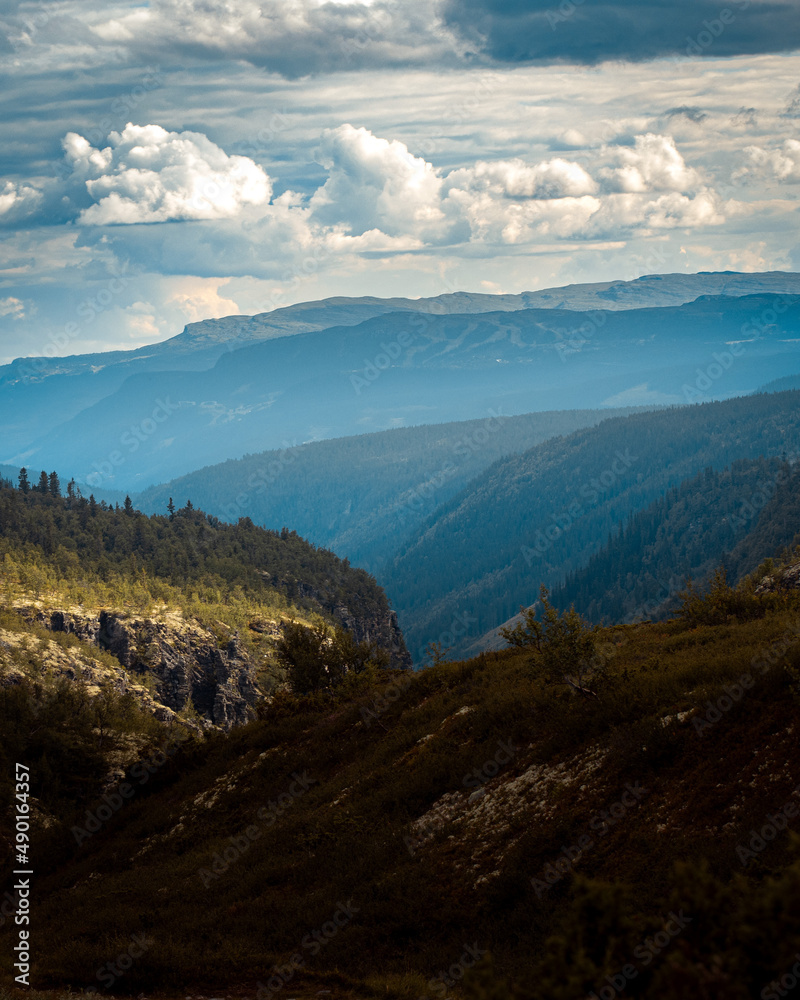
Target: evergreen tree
(54, 485)
(24, 484)
(128, 506)
(563, 641)
(43, 485)
(171, 509)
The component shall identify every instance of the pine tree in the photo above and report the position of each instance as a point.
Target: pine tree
(71, 489)
(171, 509)
(54, 485)
(43, 486)
(128, 506)
(24, 484)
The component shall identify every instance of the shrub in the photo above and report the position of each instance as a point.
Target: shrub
(721, 603)
(563, 643)
(317, 661)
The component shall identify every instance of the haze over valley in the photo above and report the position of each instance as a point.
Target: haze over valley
(399, 500)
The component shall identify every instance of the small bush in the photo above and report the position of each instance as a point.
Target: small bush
(721, 603)
(564, 644)
(316, 661)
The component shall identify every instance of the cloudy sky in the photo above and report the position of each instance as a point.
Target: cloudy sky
(169, 161)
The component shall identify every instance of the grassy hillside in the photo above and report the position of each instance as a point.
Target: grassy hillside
(394, 837)
(535, 517)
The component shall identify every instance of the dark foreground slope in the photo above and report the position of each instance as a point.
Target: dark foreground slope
(534, 518)
(387, 839)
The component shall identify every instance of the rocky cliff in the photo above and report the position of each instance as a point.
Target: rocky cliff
(183, 664)
(785, 578)
(383, 629)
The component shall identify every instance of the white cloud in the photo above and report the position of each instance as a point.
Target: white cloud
(379, 200)
(292, 37)
(375, 183)
(18, 200)
(199, 298)
(653, 164)
(11, 306)
(376, 186)
(516, 179)
(678, 210)
(148, 174)
(672, 210)
(776, 164)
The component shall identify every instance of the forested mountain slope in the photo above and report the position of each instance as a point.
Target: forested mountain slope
(733, 517)
(783, 384)
(210, 562)
(363, 496)
(535, 517)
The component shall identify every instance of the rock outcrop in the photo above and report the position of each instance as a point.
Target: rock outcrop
(787, 578)
(382, 629)
(189, 665)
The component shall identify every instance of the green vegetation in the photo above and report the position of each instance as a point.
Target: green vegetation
(733, 516)
(564, 644)
(97, 555)
(364, 795)
(315, 660)
(364, 495)
(537, 517)
(71, 735)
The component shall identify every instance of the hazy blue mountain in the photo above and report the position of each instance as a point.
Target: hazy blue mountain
(363, 496)
(535, 517)
(403, 369)
(782, 384)
(39, 394)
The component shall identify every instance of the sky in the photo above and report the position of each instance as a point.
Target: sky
(167, 162)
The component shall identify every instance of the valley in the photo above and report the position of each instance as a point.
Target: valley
(490, 705)
(399, 500)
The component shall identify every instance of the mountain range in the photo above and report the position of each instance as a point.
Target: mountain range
(584, 534)
(225, 388)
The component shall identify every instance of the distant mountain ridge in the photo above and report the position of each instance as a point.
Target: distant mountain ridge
(39, 394)
(405, 369)
(229, 332)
